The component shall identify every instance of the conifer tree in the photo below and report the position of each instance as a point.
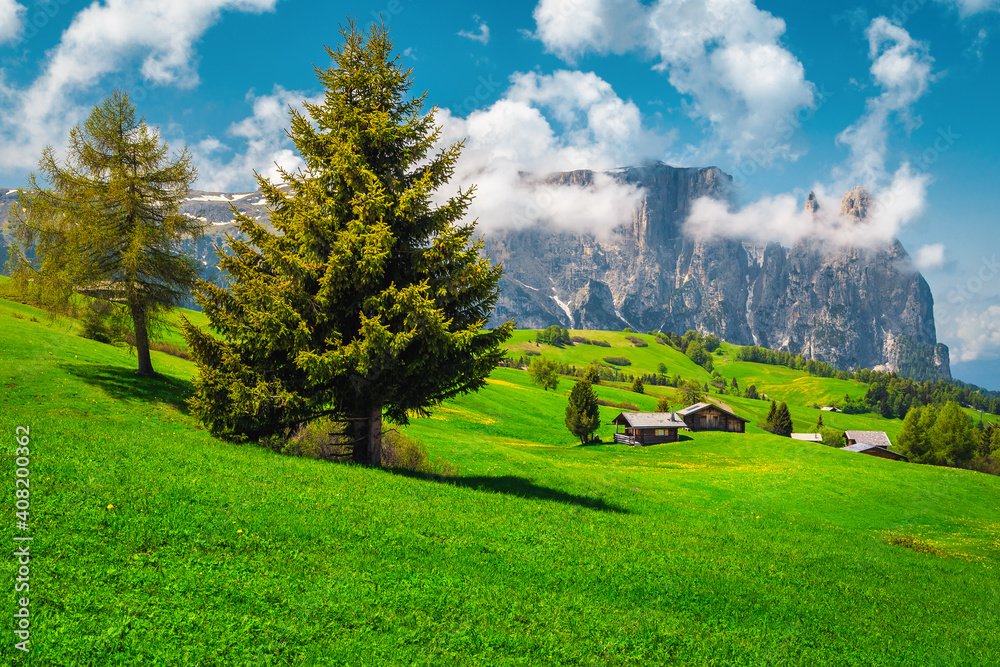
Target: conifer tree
(107, 224)
(638, 386)
(783, 421)
(583, 416)
(367, 299)
(771, 412)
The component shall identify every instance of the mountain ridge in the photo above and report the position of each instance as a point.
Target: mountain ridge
(855, 308)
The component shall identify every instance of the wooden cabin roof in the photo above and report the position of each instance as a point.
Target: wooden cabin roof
(877, 438)
(862, 448)
(698, 407)
(649, 420)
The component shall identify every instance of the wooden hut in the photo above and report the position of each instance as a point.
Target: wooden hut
(646, 428)
(875, 450)
(711, 417)
(873, 443)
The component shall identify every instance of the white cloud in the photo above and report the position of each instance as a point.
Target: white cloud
(570, 28)
(977, 332)
(10, 20)
(978, 46)
(929, 257)
(724, 54)
(262, 144)
(512, 144)
(482, 35)
(901, 68)
(100, 40)
(969, 7)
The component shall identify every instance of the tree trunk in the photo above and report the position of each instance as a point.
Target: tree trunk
(375, 436)
(367, 433)
(141, 339)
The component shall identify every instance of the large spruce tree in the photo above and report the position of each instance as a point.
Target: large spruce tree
(367, 298)
(583, 416)
(105, 222)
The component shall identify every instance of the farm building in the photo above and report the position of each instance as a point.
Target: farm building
(877, 438)
(647, 428)
(711, 417)
(808, 437)
(873, 443)
(875, 450)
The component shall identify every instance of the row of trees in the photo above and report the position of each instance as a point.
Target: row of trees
(762, 355)
(946, 436)
(894, 396)
(366, 299)
(553, 335)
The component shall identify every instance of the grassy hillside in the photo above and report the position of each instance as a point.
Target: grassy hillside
(155, 544)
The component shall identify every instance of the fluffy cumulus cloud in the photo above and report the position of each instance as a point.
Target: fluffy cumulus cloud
(104, 38)
(563, 121)
(977, 332)
(725, 55)
(256, 143)
(930, 256)
(11, 13)
(902, 71)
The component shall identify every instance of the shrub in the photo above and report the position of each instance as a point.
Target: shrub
(618, 361)
(600, 343)
(167, 348)
(638, 342)
(328, 440)
(402, 452)
(322, 439)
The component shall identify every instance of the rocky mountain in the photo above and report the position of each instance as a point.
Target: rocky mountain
(852, 308)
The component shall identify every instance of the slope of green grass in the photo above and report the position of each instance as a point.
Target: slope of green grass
(155, 544)
(644, 359)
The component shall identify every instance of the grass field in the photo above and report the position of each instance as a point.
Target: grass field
(155, 544)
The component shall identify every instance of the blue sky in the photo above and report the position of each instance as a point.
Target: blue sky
(898, 96)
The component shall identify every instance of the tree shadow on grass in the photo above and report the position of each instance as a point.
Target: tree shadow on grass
(124, 384)
(520, 487)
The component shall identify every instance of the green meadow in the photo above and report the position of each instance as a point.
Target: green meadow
(155, 544)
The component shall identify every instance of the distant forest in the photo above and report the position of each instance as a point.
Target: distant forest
(889, 394)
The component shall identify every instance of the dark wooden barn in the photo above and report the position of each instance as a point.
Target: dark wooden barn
(711, 417)
(646, 428)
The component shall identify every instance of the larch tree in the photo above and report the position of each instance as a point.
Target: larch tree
(367, 299)
(105, 222)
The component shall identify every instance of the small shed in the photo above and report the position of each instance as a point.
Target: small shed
(875, 450)
(711, 417)
(808, 437)
(646, 428)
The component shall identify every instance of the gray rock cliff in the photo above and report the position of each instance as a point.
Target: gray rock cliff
(850, 308)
